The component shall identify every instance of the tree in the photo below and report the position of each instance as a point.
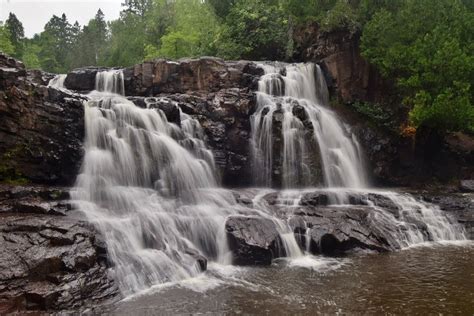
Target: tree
(30, 56)
(6, 45)
(17, 33)
(221, 7)
(56, 42)
(426, 47)
(254, 30)
(192, 31)
(127, 43)
(138, 7)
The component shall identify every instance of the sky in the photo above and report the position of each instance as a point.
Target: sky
(34, 14)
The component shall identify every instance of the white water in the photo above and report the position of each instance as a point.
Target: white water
(150, 187)
(58, 81)
(303, 88)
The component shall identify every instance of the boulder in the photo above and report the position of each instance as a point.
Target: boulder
(253, 240)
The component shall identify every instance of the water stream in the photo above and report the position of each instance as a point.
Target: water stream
(150, 186)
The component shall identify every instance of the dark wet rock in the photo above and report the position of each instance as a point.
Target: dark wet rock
(467, 186)
(41, 129)
(343, 229)
(82, 79)
(207, 74)
(253, 240)
(314, 199)
(48, 262)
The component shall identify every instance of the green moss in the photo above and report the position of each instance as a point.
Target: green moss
(8, 171)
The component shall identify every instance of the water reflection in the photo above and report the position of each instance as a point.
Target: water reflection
(422, 280)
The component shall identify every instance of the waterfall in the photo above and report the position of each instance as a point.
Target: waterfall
(149, 187)
(57, 82)
(296, 97)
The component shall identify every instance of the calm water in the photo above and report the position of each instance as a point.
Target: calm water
(434, 279)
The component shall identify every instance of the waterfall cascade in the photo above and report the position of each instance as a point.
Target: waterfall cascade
(150, 186)
(296, 97)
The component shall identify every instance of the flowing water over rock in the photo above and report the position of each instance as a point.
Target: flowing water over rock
(293, 122)
(151, 187)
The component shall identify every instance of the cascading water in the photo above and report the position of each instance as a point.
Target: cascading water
(149, 187)
(57, 82)
(292, 102)
(297, 96)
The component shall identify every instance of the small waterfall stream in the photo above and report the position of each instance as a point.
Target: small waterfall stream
(150, 186)
(297, 96)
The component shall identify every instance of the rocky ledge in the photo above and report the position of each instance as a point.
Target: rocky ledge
(50, 259)
(368, 222)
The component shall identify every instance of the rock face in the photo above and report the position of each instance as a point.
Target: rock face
(393, 158)
(219, 94)
(41, 129)
(49, 259)
(348, 74)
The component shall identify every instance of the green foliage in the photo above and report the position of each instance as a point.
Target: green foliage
(17, 34)
(427, 48)
(377, 114)
(449, 110)
(341, 16)
(127, 43)
(30, 56)
(192, 31)
(254, 29)
(6, 45)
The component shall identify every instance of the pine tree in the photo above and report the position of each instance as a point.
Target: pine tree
(17, 34)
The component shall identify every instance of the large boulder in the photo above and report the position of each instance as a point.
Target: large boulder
(253, 240)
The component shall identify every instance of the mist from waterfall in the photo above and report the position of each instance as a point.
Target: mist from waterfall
(296, 96)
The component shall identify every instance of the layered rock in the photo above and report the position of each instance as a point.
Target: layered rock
(49, 259)
(219, 94)
(41, 129)
(253, 240)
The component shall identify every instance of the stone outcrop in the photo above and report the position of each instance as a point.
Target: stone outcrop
(49, 259)
(41, 129)
(253, 240)
(347, 73)
(219, 94)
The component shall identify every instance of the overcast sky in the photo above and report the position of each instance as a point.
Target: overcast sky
(34, 14)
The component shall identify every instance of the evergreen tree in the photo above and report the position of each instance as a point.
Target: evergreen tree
(6, 45)
(17, 33)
